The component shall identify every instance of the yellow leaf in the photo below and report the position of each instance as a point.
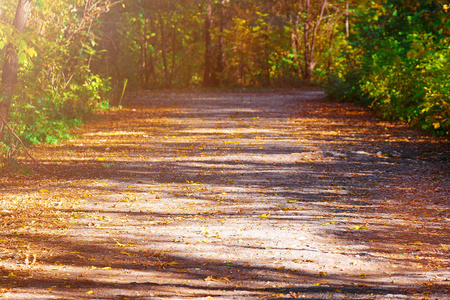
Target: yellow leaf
(90, 292)
(319, 283)
(172, 263)
(321, 274)
(182, 271)
(291, 201)
(106, 268)
(328, 223)
(124, 245)
(357, 227)
(416, 243)
(209, 278)
(264, 215)
(44, 191)
(52, 288)
(101, 159)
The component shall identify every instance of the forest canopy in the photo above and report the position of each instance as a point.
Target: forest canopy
(62, 60)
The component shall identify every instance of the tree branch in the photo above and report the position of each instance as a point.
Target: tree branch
(4, 123)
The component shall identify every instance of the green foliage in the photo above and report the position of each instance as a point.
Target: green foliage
(399, 64)
(58, 86)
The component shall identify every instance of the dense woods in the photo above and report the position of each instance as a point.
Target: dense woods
(397, 62)
(74, 57)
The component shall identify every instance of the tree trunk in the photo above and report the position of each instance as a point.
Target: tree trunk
(347, 30)
(310, 39)
(9, 75)
(208, 50)
(306, 30)
(330, 55)
(314, 36)
(151, 72)
(174, 54)
(144, 44)
(295, 43)
(220, 63)
(163, 50)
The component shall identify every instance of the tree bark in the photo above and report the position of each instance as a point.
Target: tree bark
(163, 50)
(306, 30)
(295, 43)
(347, 30)
(330, 55)
(9, 75)
(208, 50)
(310, 36)
(144, 46)
(174, 54)
(220, 63)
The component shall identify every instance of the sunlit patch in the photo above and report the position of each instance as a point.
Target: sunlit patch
(113, 133)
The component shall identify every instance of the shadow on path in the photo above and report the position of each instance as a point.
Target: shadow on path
(252, 195)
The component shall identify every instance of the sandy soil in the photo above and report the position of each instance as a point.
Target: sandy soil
(255, 195)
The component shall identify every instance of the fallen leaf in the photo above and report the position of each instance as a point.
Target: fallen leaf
(182, 271)
(124, 245)
(211, 278)
(357, 227)
(416, 243)
(328, 223)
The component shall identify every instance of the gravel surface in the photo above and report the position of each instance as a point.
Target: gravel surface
(251, 195)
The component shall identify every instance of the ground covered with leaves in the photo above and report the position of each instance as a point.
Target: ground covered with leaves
(254, 195)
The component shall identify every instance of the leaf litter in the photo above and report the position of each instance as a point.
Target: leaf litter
(258, 194)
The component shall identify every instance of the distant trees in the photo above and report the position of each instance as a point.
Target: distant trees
(223, 43)
(73, 56)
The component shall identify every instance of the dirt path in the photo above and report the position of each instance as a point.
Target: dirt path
(265, 195)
